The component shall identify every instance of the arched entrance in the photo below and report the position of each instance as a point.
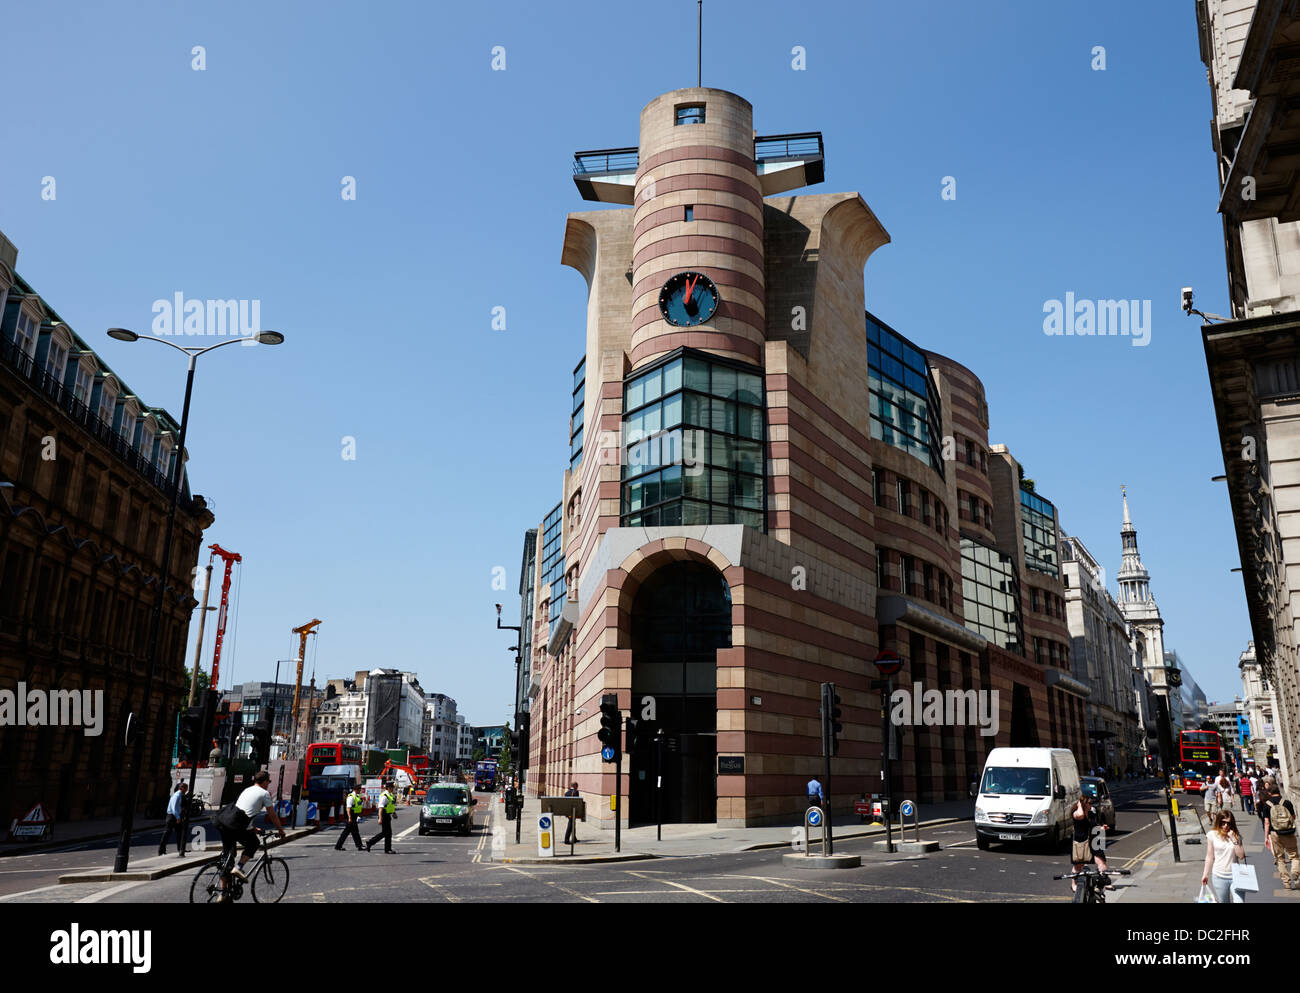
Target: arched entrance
(680, 617)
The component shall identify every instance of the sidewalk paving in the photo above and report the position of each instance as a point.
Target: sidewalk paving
(684, 840)
(1160, 879)
(68, 833)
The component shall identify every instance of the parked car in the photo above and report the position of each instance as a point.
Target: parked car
(447, 807)
(1095, 787)
(1026, 794)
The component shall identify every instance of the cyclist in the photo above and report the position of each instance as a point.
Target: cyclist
(235, 823)
(1082, 851)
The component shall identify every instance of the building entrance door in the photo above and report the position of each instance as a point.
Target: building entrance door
(681, 616)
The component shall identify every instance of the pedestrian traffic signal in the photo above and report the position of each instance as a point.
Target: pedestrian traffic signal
(633, 731)
(190, 744)
(260, 747)
(831, 726)
(610, 721)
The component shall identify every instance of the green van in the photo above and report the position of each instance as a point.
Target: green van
(447, 807)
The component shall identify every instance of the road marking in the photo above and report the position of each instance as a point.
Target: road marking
(318, 898)
(791, 886)
(439, 888)
(104, 894)
(683, 886)
(42, 889)
(403, 834)
(562, 889)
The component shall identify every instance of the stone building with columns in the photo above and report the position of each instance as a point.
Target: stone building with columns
(767, 486)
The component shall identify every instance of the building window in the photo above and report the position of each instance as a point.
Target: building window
(553, 563)
(691, 114)
(56, 360)
(81, 388)
(907, 566)
(930, 594)
(926, 506)
(877, 487)
(1033, 599)
(690, 213)
(1038, 520)
(904, 498)
(107, 401)
(576, 421)
(693, 432)
(881, 567)
(990, 590)
(903, 402)
(25, 334)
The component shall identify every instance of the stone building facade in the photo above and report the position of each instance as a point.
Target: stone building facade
(768, 487)
(84, 465)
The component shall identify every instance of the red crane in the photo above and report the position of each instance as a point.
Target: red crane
(230, 559)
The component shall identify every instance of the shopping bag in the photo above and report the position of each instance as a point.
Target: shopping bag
(1243, 878)
(1206, 895)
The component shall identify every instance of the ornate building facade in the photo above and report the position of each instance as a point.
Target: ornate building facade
(84, 465)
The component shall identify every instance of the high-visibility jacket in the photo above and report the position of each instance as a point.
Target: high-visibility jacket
(357, 802)
(390, 803)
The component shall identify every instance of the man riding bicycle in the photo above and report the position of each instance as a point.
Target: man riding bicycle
(235, 823)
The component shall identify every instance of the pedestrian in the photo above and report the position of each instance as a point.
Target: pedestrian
(1213, 799)
(352, 811)
(816, 798)
(1222, 847)
(1280, 838)
(387, 810)
(175, 814)
(1247, 790)
(571, 835)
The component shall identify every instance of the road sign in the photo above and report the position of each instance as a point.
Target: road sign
(861, 807)
(815, 817)
(545, 836)
(36, 823)
(907, 808)
(607, 753)
(887, 662)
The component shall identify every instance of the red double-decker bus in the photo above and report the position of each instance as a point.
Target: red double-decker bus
(1201, 756)
(328, 753)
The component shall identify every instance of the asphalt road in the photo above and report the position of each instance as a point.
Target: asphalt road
(453, 869)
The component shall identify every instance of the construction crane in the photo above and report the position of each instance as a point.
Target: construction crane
(302, 633)
(230, 559)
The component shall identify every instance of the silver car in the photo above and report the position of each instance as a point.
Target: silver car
(1095, 787)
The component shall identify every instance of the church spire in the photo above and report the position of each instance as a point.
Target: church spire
(1134, 580)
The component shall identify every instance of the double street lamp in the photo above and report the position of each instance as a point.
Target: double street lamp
(155, 627)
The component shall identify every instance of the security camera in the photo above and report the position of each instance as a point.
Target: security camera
(498, 610)
(1187, 299)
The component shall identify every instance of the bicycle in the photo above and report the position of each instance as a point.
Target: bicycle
(268, 879)
(197, 806)
(1092, 883)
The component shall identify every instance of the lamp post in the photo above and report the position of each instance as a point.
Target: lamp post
(155, 626)
(518, 650)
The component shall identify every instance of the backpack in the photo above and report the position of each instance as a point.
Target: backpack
(232, 818)
(1281, 819)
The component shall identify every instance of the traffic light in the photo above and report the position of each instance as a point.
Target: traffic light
(610, 719)
(260, 746)
(190, 745)
(521, 753)
(831, 726)
(633, 731)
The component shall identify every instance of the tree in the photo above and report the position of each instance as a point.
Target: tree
(505, 761)
(478, 755)
(203, 679)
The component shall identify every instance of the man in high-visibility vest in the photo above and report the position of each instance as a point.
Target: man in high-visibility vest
(352, 811)
(387, 809)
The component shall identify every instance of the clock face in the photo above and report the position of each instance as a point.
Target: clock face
(689, 298)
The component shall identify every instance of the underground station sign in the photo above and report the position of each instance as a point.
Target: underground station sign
(888, 663)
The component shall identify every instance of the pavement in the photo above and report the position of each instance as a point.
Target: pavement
(684, 840)
(1157, 878)
(72, 832)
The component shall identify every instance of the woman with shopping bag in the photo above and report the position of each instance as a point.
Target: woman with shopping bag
(1222, 847)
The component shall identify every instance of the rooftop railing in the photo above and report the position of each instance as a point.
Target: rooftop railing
(805, 145)
(605, 160)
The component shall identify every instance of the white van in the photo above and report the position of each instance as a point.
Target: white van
(1026, 794)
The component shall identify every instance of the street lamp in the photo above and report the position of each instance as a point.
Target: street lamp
(174, 484)
(519, 655)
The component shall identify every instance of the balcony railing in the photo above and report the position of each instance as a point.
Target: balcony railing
(20, 362)
(605, 160)
(774, 148)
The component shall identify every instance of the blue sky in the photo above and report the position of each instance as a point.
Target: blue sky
(226, 183)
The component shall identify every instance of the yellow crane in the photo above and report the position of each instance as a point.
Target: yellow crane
(302, 633)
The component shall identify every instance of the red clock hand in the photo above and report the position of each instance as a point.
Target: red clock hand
(690, 286)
